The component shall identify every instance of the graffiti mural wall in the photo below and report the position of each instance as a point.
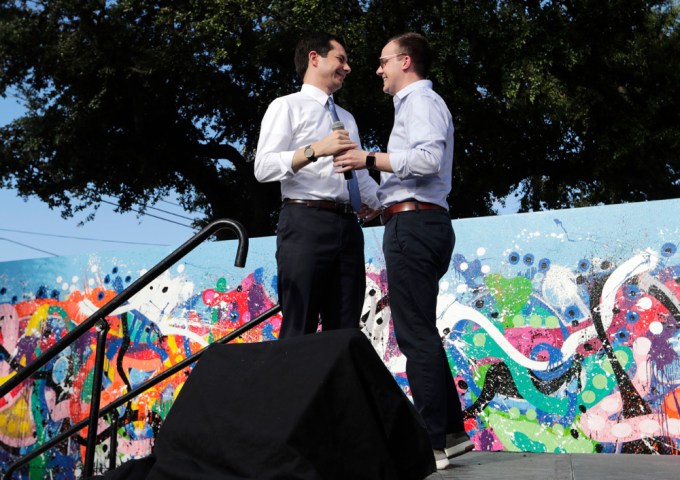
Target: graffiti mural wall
(561, 330)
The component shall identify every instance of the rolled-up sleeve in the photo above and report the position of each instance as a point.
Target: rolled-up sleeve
(274, 159)
(421, 150)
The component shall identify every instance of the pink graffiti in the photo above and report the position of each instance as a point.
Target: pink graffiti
(604, 423)
(16, 422)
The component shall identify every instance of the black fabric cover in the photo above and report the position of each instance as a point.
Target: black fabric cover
(316, 407)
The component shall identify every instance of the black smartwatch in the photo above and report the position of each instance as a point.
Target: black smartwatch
(309, 154)
(370, 161)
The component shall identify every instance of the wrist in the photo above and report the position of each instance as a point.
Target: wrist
(310, 153)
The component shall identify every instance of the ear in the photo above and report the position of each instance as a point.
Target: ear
(313, 59)
(406, 63)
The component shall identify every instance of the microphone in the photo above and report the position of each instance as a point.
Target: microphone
(341, 126)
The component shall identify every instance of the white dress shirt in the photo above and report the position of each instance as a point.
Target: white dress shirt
(420, 148)
(295, 121)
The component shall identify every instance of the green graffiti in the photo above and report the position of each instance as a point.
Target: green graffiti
(597, 377)
(600, 380)
(55, 310)
(37, 465)
(522, 434)
(86, 389)
(510, 294)
(525, 444)
(518, 321)
(557, 404)
(536, 321)
(479, 339)
(141, 331)
(551, 321)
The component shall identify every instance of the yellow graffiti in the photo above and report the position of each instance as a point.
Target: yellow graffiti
(38, 317)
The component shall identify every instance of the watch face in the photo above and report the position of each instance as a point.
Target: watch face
(370, 161)
(309, 153)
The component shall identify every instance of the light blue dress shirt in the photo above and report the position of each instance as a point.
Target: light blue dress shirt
(420, 148)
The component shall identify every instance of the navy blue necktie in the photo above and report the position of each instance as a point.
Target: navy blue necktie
(352, 183)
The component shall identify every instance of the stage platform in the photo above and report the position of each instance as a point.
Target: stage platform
(544, 466)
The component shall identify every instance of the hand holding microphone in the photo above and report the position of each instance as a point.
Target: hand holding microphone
(341, 126)
(335, 143)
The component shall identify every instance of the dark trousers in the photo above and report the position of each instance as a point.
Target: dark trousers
(321, 271)
(417, 246)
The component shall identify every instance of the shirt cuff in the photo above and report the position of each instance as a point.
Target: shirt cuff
(286, 159)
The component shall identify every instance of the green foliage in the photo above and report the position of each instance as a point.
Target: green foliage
(571, 102)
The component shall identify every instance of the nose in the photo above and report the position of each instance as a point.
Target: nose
(379, 71)
(347, 68)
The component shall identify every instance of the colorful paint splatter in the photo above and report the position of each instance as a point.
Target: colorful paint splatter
(561, 329)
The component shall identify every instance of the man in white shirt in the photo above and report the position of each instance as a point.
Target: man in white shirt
(319, 244)
(418, 241)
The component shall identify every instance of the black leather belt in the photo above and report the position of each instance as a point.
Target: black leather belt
(321, 204)
(407, 207)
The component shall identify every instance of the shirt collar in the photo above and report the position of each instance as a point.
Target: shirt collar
(315, 92)
(403, 93)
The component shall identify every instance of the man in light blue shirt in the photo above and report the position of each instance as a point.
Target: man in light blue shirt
(418, 242)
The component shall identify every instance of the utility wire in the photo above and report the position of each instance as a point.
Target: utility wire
(149, 215)
(171, 203)
(170, 213)
(161, 210)
(42, 234)
(99, 239)
(28, 246)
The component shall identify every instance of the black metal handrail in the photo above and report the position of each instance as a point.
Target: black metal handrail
(100, 317)
(141, 388)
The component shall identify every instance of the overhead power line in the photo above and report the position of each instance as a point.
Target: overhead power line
(171, 213)
(28, 246)
(159, 210)
(92, 239)
(108, 240)
(171, 203)
(152, 215)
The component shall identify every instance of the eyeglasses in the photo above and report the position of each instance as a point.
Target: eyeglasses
(386, 58)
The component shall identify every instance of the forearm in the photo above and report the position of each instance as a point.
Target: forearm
(357, 160)
(382, 161)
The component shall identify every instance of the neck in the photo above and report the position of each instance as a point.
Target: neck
(318, 85)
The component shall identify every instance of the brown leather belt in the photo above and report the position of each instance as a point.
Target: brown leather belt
(407, 207)
(321, 204)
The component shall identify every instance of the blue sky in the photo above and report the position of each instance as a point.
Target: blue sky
(29, 229)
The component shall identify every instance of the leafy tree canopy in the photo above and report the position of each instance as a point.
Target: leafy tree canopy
(568, 102)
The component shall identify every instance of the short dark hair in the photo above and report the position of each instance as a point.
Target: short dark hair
(417, 47)
(318, 42)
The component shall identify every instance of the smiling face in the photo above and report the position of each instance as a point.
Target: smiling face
(329, 72)
(390, 69)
